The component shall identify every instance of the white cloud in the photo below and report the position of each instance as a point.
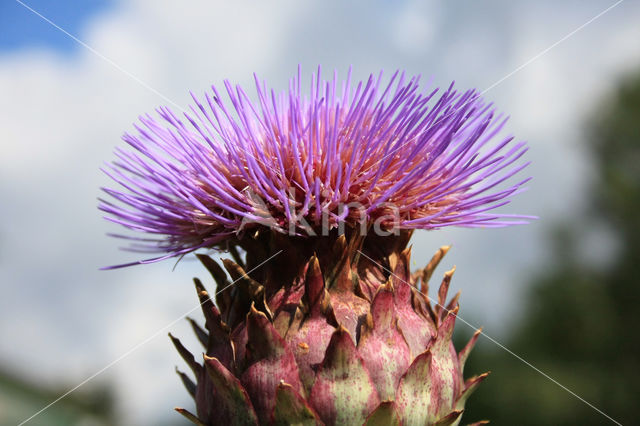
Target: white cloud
(416, 26)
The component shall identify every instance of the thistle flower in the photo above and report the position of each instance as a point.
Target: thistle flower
(300, 164)
(318, 320)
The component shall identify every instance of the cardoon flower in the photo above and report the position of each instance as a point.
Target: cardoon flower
(315, 193)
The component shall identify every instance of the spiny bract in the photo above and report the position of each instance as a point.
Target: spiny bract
(353, 339)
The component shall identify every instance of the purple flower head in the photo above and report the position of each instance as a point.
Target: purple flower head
(300, 162)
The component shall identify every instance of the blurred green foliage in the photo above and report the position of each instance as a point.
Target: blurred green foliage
(21, 398)
(580, 320)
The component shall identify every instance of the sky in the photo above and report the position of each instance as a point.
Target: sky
(17, 33)
(64, 107)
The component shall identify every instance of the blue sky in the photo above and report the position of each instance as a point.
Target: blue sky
(22, 29)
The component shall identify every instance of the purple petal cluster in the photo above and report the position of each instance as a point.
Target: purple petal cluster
(305, 160)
